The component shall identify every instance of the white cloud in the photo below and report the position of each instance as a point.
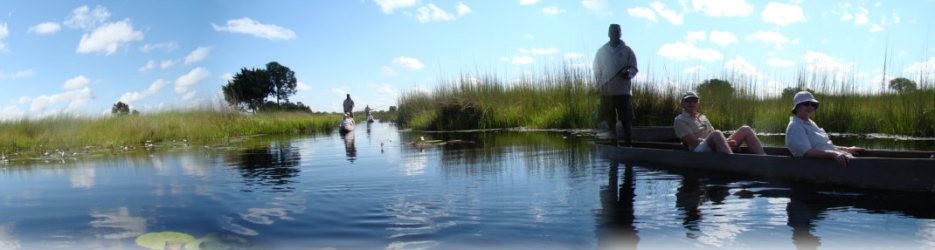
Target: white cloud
(783, 14)
(131, 97)
(462, 9)
(694, 36)
(388, 6)
(11, 112)
(184, 82)
(876, 28)
(693, 70)
(686, 51)
(18, 74)
(770, 37)
(46, 28)
(552, 10)
(77, 95)
(168, 47)
(197, 55)
(642, 12)
(779, 63)
(430, 12)
(668, 14)
(846, 16)
(822, 63)
(528, 2)
(861, 18)
(165, 64)
(150, 65)
(924, 69)
(573, 55)
(388, 71)
(519, 60)
(4, 32)
(741, 66)
(226, 77)
(76, 83)
(598, 7)
(301, 86)
(386, 95)
(108, 37)
(85, 18)
(539, 51)
(250, 27)
(408, 63)
(723, 8)
(722, 38)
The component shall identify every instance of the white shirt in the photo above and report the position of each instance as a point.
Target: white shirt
(607, 62)
(802, 136)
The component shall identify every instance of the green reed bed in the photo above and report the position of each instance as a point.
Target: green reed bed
(559, 100)
(566, 99)
(195, 126)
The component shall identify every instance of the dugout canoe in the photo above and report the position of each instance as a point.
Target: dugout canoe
(912, 171)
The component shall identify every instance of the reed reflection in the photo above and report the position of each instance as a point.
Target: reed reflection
(274, 165)
(616, 223)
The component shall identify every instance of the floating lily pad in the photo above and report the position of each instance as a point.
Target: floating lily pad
(162, 240)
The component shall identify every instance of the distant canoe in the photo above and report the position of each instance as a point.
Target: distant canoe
(369, 118)
(347, 125)
(874, 169)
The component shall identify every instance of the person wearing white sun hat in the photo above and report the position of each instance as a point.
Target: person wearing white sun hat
(805, 139)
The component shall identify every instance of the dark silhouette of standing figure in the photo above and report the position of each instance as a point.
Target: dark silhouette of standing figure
(614, 68)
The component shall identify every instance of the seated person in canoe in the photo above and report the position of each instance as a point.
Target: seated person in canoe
(805, 139)
(699, 135)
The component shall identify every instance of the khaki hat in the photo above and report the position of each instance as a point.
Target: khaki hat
(688, 95)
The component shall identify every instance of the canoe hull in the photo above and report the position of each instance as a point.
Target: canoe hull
(882, 173)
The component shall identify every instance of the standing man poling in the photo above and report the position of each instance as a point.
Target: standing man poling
(614, 68)
(349, 106)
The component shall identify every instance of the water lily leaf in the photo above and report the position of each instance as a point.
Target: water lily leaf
(161, 240)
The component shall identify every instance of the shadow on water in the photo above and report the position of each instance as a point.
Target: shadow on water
(806, 204)
(275, 164)
(615, 225)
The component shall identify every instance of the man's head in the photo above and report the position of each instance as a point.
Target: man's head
(690, 102)
(348, 96)
(614, 32)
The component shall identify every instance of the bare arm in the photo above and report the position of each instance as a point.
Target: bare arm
(842, 157)
(691, 140)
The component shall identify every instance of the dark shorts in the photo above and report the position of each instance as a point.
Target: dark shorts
(617, 107)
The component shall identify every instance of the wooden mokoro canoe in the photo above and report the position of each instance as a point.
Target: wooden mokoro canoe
(874, 169)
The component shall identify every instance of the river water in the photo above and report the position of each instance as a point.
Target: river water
(375, 188)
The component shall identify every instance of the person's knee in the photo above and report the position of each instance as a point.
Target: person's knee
(717, 135)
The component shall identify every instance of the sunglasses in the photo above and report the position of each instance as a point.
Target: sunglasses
(813, 104)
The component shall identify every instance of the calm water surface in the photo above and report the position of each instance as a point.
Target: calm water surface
(374, 189)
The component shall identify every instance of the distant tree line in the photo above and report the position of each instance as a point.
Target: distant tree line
(250, 88)
(121, 108)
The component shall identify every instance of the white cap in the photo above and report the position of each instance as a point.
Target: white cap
(802, 96)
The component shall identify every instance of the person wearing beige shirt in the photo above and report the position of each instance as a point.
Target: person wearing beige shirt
(699, 135)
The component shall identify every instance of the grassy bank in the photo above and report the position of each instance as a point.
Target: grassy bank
(567, 99)
(196, 126)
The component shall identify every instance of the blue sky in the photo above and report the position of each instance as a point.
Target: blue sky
(79, 57)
